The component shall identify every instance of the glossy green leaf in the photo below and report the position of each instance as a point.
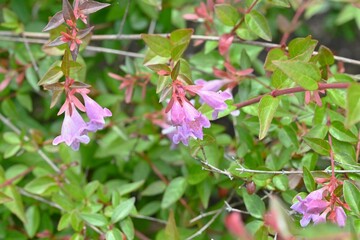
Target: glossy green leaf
(94, 219)
(40, 185)
(173, 192)
(305, 74)
(325, 56)
(308, 180)
(266, 112)
(352, 196)
(257, 24)
(273, 55)
(352, 105)
(158, 44)
(281, 182)
(320, 146)
(227, 14)
(338, 131)
(123, 210)
(127, 227)
(114, 234)
(302, 49)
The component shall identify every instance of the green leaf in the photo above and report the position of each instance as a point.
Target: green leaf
(227, 14)
(180, 40)
(25, 101)
(281, 182)
(301, 49)
(114, 234)
(95, 219)
(171, 231)
(11, 151)
(273, 55)
(305, 74)
(159, 45)
(131, 187)
(40, 185)
(16, 205)
(280, 3)
(123, 210)
(154, 188)
(64, 221)
(352, 105)
(308, 180)
(175, 71)
(52, 75)
(33, 221)
(320, 146)
(5, 198)
(254, 204)
(127, 227)
(173, 192)
(338, 131)
(325, 56)
(9, 16)
(352, 196)
(257, 24)
(11, 138)
(267, 109)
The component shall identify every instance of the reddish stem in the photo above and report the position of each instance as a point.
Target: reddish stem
(20, 175)
(294, 21)
(275, 93)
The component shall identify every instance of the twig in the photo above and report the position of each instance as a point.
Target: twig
(202, 215)
(245, 170)
(149, 218)
(138, 37)
(229, 208)
(276, 93)
(201, 230)
(32, 59)
(213, 168)
(124, 18)
(20, 175)
(8, 123)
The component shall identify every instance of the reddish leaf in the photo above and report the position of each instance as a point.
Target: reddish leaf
(56, 42)
(191, 16)
(92, 6)
(68, 12)
(5, 82)
(225, 42)
(54, 22)
(82, 33)
(235, 225)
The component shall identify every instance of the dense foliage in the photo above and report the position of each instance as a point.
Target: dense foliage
(159, 119)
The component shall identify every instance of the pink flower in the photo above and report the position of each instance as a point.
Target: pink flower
(311, 207)
(191, 129)
(340, 217)
(95, 112)
(73, 130)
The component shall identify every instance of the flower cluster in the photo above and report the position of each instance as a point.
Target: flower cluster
(320, 205)
(187, 120)
(74, 129)
(70, 15)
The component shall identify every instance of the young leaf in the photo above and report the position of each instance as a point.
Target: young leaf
(171, 231)
(257, 23)
(54, 22)
(352, 196)
(68, 11)
(175, 71)
(173, 192)
(123, 210)
(301, 49)
(326, 57)
(52, 75)
(267, 109)
(352, 105)
(227, 14)
(225, 42)
(91, 6)
(305, 74)
(274, 54)
(159, 45)
(181, 36)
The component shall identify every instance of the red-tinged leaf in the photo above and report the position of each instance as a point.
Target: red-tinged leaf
(68, 12)
(244, 72)
(75, 52)
(163, 73)
(225, 43)
(79, 85)
(5, 82)
(82, 33)
(56, 42)
(54, 87)
(190, 16)
(219, 73)
(54, 22)
(92, 6)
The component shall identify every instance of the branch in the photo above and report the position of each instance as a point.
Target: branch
(276, 93)
(245, 170)
(37, 36)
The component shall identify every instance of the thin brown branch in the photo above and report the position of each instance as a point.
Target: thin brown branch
(276, 93)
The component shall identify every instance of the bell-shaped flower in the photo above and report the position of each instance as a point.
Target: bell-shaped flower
(73, 131)
(95, 113)
(340, 217)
